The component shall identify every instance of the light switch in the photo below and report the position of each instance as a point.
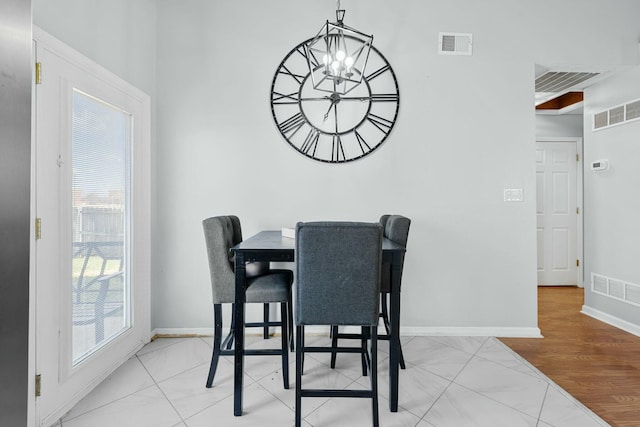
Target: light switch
(513, 195)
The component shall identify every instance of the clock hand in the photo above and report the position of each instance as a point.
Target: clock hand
(333, 102)
(356, 98)
(335, 98)
(324, 98)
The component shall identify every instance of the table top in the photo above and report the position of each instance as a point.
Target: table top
(272, 240)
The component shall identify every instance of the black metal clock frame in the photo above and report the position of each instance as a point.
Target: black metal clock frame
(371, 114)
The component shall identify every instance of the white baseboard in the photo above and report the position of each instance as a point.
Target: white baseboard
(472, 331)
(184, 332)
(611, 320)
(511, 332)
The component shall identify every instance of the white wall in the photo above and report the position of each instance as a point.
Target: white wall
(464, 133)
(566, 125)
(612, 199)
(117, 34)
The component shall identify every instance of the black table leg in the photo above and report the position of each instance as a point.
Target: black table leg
(238, 319)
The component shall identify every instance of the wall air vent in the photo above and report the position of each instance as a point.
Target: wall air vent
(601, 120)
(615, 289)
(633, 110)
(455, 44)
(617, 115)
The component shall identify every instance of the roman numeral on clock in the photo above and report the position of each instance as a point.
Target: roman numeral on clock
(297, 77)
(283, 98)
(381, 123)
(311, 58)
(292, 124)
(378, 72)
(384, 97)
(337, 150)
(362, 143)
(310, 142)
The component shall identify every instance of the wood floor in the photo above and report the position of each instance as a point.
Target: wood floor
(597, 363)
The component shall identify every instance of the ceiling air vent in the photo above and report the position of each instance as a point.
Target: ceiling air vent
(558, 81)
(455, 44)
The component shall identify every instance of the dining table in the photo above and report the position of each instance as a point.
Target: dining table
(272, 246)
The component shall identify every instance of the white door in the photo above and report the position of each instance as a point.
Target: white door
(92, 204)
(557, 212)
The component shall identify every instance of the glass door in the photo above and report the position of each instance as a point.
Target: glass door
(100, 210)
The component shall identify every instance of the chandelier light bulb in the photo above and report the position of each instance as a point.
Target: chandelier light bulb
(326, 60)
(340, 55)
(348, 63)
(335, 66)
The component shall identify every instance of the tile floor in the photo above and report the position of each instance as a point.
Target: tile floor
(449, 381)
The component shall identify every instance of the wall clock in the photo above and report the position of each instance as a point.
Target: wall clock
(333, 127)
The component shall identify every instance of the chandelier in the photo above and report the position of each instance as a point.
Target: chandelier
(337, 56)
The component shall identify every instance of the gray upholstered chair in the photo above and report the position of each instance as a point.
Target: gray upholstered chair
(338, 283)
(396, 229)
(263, 286)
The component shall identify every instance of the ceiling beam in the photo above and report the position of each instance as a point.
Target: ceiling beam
(562, 101)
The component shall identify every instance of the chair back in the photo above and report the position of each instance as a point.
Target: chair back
(337, 273)
(383, 221)
(221, 233)
(396, 229)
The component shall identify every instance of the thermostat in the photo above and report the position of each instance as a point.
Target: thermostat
(600, 165)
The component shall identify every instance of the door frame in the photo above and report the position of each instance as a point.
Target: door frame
(140, 256)
(579, 199)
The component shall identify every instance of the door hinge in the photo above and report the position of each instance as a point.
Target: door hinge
(577, 263)
(38, 73)
(577, 157)
(38, 384)
(578, 211)
(38, 228)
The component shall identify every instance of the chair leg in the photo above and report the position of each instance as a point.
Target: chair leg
(302, 341)
(384, 312)
(299, 368)
(290, 319)
(285, 344)
(334, 344)
(387, 326)
(217, 336)
(402, 365)
(266, 320)
(363, 354)
(374, 375)
(231, 335)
